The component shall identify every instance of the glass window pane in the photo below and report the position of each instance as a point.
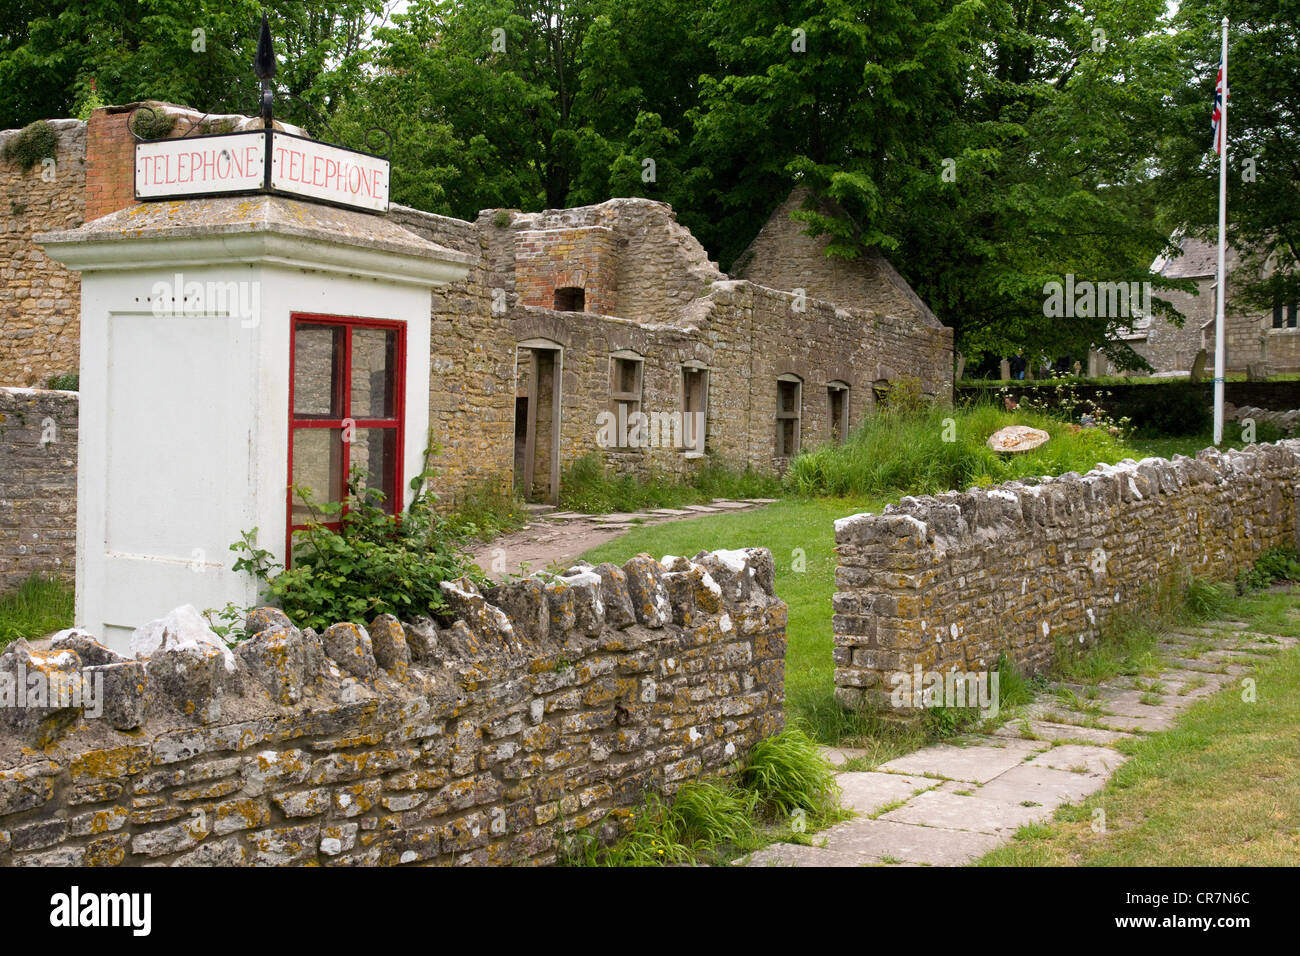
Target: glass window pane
(374, 450)
(316, 360)
(374, 364)
(318, 466)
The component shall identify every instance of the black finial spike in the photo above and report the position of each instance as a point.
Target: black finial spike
(264, 69)
(264, 64)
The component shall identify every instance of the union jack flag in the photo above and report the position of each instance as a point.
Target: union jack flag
(1218, 111)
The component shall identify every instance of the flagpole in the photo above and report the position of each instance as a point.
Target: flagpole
(1222, 287)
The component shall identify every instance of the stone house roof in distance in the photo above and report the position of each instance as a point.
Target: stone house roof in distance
(1198, 260)
(784, 257)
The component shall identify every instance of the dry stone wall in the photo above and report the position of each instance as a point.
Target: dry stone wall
(546, 706)
(950, 582)
(38, 485)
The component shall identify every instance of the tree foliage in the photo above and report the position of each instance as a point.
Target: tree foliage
(989, 147)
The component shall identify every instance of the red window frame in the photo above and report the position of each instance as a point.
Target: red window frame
(343, 378)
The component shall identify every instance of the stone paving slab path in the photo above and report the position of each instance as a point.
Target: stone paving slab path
(949, 804)
(561, 537)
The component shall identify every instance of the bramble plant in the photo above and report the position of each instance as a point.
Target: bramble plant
(355, 561)
(1275, 564)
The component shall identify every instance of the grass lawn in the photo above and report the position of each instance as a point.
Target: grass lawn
(786, 528)
(806, 524)
(1221, 788)
(37, 608)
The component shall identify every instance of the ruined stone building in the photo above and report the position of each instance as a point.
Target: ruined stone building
(603, 328)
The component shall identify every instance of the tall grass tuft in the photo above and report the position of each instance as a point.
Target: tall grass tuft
(931, 450)
(787, 773)
(39, 606)
(784, 778)
(1204, 599)
(588, 486)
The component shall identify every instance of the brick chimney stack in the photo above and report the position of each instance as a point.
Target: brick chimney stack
(110, 161)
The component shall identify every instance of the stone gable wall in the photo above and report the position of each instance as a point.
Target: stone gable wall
(546, 707)
(38, 485)
(950, 582)
(783, 256)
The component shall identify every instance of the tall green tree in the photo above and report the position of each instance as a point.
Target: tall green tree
(480, 98)
(197, 53)
(1263, 132)
(987, 146)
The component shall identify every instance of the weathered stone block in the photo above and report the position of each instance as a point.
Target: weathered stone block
(390, 647)
(349, 646)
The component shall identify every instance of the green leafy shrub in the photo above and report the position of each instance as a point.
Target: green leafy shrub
(152, 121)
(1275, 564)
(88, 100)
(67, 382)
(370, 565)
(904, 395)
(33, 143)
(1175, 409)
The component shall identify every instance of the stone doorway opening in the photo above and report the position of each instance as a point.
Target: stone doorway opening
(539, 366)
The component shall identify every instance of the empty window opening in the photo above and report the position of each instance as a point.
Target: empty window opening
(625, 396)
(570, 299)
(788, 408)
(837, 395)
(695, 407)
